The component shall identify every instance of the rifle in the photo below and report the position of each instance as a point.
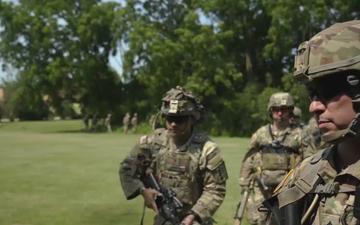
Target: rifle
(239, 214)
(167, 203)
(240, 209)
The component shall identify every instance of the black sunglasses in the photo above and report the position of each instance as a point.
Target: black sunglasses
(177, 119)
(280, 108)
(326, 92)
(323, 95)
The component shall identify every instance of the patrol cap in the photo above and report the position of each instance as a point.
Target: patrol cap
(180, 102)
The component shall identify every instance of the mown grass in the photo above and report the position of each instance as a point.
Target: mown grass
(53, 174)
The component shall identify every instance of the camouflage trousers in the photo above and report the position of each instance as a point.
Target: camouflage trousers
(254, 216)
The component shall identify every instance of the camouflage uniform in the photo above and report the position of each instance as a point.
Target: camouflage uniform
(269, 163)
(311, 139)
(134, 122)
(108, 122)
(320, 193)
(126, 122)
(195, 171)
(317, 176)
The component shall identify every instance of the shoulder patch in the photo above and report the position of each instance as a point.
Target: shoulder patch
(212, 155)
(215, 162)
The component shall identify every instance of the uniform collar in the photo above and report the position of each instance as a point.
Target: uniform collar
(328, 171)
(352, 169)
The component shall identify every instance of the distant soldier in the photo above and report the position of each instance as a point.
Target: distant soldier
(126, 122)
(108, 122)
(134, 122)
(274, 150)
(183, 161)
(295, 118)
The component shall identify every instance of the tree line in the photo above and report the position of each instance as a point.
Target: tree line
(234, 54)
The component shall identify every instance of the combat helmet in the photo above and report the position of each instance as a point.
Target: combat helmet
(297, 112)
(332, 57)
(280, 99)
(180, 102)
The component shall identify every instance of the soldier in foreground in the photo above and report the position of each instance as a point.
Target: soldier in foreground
(325, 188)
(178, 160)
(274, 150)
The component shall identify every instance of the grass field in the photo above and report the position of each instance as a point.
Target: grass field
(53, 174)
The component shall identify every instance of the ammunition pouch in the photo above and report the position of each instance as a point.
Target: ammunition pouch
(277, 160)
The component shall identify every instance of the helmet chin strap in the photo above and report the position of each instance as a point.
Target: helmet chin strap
(351, 131)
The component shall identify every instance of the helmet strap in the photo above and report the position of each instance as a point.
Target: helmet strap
(353, 82)
(354, 127)
(351, 131)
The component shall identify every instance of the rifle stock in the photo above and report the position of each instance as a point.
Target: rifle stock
(240, 209)
(239, 214)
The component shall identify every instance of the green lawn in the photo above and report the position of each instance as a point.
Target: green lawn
(53, 174)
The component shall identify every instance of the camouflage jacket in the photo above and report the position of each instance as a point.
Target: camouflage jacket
(316, 175)
(311, 140)
(271, 155)
(195, 171)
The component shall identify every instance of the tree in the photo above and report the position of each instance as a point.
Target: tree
(61, 49)
(235, 60)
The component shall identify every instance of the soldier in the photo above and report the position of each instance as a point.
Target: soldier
(325, 188)
(295, 118)
(108, 122)
(183, 159)
(134, 122)
(274, 150)
(126, 122)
